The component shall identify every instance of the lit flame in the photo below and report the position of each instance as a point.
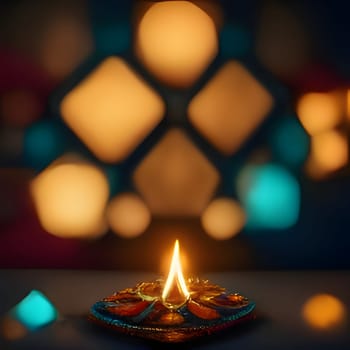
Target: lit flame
(175, 292)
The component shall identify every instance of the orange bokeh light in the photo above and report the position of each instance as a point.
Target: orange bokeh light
(65, 41)
(223, 110)
(176, 40)
(112, 110)
(175, 178)
(329, 152)
(128, 215)
(12, 329)
(223, 218)
(324, 311)
(320, 111)
(70, 198)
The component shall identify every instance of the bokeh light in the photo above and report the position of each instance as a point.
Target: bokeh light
(223, 218)
(35, 311)
(176, 40)
(112, 36)
(319, 111)
(324, 312)
(113, 175)
(20, 107)
(112, 110)
(70, 198)
(128, 215)
(175, 178)
(283, 42)
(65, 43)
(54, 35)
(270, 196)
(329, 152)
(43, 141)
(11, 329)
(235, 40)
(223, 111)
(289, 141)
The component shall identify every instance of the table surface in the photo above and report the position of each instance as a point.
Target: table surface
(279, 296)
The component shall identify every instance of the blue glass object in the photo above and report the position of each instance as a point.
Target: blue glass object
(35, 311)
(270, 196)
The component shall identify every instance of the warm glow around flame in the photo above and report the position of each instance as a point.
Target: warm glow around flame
(175, 292)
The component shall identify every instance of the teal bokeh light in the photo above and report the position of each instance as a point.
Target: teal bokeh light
(112, 37)
(113, 176)
(289, 141)
(235, 41)
(43, 142)
(270, 196)
(35, 311)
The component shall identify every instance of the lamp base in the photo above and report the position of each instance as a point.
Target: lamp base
(140, 312)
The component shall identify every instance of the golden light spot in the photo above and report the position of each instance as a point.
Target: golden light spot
(112, 110)
(329, 152)
(230, 107)
(127, 215)
(70, 198)
(320, 111)
(324, 311)
(176, 41)
(223, 218)
(11, 329)
(175, 178)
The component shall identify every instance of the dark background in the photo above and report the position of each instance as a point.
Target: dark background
(318, 53)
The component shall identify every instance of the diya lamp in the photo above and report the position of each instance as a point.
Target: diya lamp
(175, 310)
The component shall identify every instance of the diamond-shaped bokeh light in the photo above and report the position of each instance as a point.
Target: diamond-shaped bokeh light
(230, 107)
(112, 110)
(175, 178)
(35, 311)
